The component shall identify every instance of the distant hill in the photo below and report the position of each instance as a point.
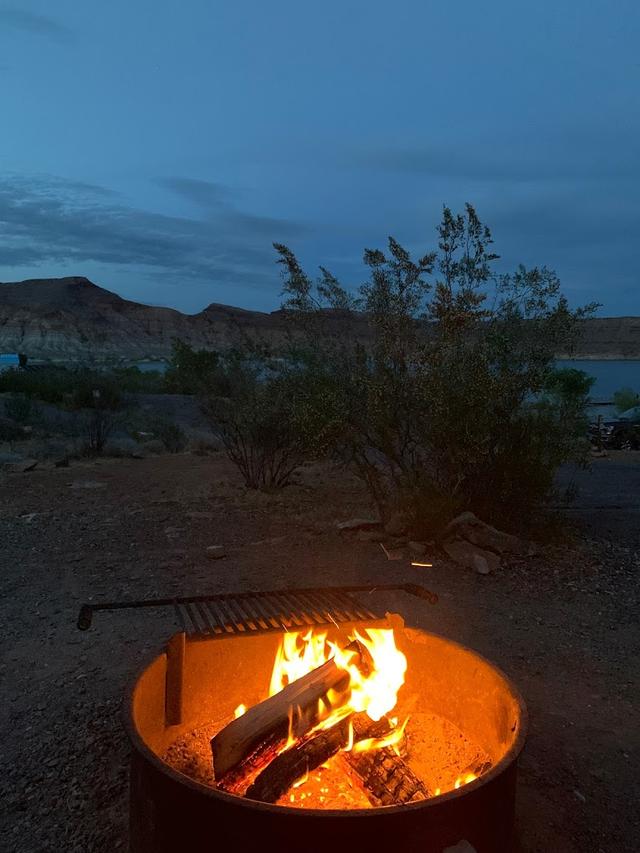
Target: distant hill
(73, 320)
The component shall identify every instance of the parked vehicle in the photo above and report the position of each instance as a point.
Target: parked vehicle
(618, 433)
(632, 414)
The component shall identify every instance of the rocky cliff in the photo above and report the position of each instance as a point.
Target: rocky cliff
(73, 320)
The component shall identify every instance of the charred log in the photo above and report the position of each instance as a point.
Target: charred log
(386, 777)
(298, 761)
(295, 763)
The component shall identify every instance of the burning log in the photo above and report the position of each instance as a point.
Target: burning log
(251, 741)
(298, 761)
(387, 779)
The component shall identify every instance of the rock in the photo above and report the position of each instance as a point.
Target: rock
(418, 548)
(274, 540)
(370, 535)
(471, 556)
(87, 484)
(396, 525)
(461, 847)
(470, 527)
(24, 465)
(393, 553)
(216, 552)
(354, 524)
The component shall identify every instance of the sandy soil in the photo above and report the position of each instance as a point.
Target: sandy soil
(564, 626)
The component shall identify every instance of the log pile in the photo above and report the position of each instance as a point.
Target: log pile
(254, 757)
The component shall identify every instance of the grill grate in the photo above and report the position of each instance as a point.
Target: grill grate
(259, 612)
(269, 611)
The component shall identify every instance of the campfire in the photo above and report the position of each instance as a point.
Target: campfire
(329, 713)
(306, 712)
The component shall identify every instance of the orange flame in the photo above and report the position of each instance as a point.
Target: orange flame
(374, 693)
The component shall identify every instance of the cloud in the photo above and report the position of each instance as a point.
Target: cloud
(30, 22)
(216, 201)
(46, 220)
(205, 194)
(569, 154)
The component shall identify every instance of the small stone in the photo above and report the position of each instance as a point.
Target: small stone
(393, 553)
(24, 465)
(418, 548)
(354, 524)
(216, 552)
(461, 847)
(88, 484)
(481, 565)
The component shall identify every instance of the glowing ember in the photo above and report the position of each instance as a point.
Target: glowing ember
(464, 780)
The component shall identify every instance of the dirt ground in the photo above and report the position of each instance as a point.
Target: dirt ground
(563, 625)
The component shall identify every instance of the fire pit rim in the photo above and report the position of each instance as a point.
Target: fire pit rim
(495, 770)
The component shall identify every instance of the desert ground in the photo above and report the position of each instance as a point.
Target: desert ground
(563, 625)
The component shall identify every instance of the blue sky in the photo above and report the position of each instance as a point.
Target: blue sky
(159, 148)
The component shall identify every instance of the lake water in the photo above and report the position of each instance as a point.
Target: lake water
(610, 376)
(8, 360)
(152, 366)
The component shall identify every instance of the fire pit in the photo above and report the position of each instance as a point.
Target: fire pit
(449, 772)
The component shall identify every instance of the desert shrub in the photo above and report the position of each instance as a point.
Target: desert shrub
(189, 368)
(73, 388)
(49, 384)
(132, 380)
(99, 403)
(568, 385)
(172, 436)
(94, 391)
(145, 426)
(20, 408)
(204, 446)
(10, 431)
(443, 407)
(625, 398)
(98, 424)
(261, 423)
